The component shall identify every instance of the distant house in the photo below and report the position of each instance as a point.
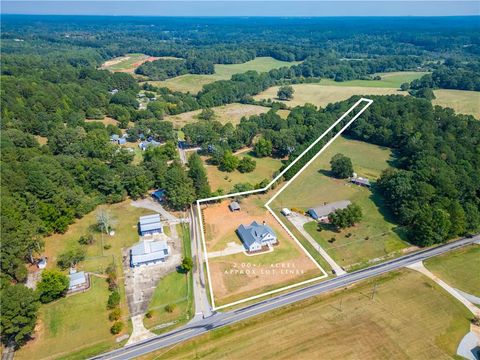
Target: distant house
(256, 236)
(78, 281)
(119, 139)
(113, 91)
(114, 137)
(122, 141)
(148, 253)
(159, 195)
(144, 145)
(321, 212)
(42, 263)
(360, 181)
(234, 206)
(149, 225)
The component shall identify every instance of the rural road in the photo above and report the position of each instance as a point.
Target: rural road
(217, 320)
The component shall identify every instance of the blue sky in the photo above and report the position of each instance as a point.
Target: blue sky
(244, 8)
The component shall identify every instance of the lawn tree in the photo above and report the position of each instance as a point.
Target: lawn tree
(71, 258)
(263, 148)
(229, 162)
(198, 174)
(285, 92)
(187, 265)
(206, 114)
(105, 220)
(52, 286)
(246, 165)
(342, 167)
(405, 86)
(19, 313)
(343, 218)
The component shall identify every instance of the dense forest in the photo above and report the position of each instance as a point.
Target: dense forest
(57, 165)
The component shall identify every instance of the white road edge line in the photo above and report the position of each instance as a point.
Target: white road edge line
(199, 201)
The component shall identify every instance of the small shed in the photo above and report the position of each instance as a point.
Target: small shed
(42, 263)
(286, 212)
(78, 280)
(159, 195)
(234, 206)
(122, 141)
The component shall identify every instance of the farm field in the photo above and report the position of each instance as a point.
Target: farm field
(237, 276)
(322, 95)
(175, 288)
(376, 235)
(266, 167)
(193, 83)
(463, 102)
(231, 113)
(459, 269)
(345, 325)
(127, 63)
(389, 80)
(78, 323)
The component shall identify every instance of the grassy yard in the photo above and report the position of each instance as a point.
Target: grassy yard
(463, 102)
(376, 235)
(193, 83)
(389, 80)
(76, 323)
(175, 288)
(409, 317)
(265, 169)
(460, 269)
(321, 94)
(231, 113)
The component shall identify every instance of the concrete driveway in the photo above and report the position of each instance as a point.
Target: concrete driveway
(299, 221)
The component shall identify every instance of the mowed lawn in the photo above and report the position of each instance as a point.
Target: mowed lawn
(266, 168)
(231, 113)
(321, 95)
(193, 83)
(70, 325)
(376, 235)
(173, 289)
(463, 102)
(410, 317)
(388, 80)
(460, 269)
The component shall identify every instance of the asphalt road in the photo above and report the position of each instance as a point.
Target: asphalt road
(217, 320)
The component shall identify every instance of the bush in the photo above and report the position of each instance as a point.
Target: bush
(149, 314)
(107, 246)
(115, 314)
(116, 328)
(170, 308)
(332, 240)
(86, 239)
(246, 165)
(71, 258)
(113, 300)
(52, 286)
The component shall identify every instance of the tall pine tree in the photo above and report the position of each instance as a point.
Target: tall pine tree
(198, 175)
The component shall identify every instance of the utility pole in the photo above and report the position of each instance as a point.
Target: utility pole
(374, 290)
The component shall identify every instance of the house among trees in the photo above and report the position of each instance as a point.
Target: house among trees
(159, 195)
(321, 212)
(144, 145)
(150, 225)
(257, 236)
(42, 263)
(149, 253)
(78, 281)
(234, 206)
(120, 140)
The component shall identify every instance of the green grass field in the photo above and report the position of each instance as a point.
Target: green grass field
(124, 62)
(314, 187)
(193, 83)
(265, 169)
(175, 288)
(389, 80)
(463, 102)
(410, 317)
(460, 269)
(322, 95)
(76, 323)
(231, 113)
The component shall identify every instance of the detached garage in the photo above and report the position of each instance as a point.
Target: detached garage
(149, 225)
